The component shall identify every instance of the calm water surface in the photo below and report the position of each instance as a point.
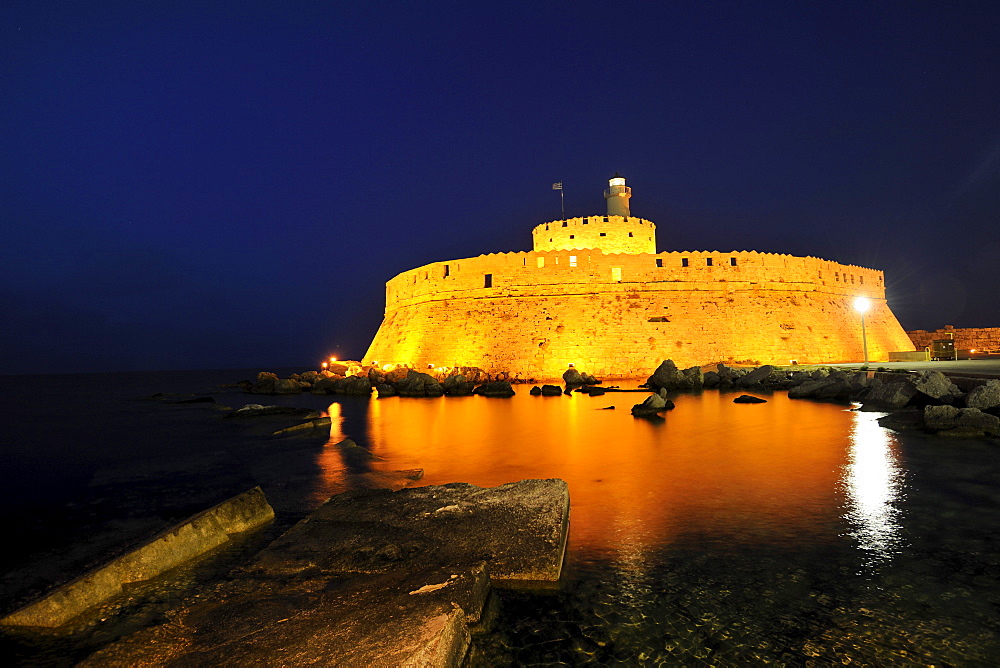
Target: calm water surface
(788, 532)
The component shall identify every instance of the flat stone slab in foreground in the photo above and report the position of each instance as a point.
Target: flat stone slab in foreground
(178, 544)
(371, 577)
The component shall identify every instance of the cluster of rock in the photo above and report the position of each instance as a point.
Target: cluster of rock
(401, 382)
(929, 400)
(576, 381)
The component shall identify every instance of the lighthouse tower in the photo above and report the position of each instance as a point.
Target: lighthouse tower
(618, 195)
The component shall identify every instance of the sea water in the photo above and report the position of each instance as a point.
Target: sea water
(790, 532)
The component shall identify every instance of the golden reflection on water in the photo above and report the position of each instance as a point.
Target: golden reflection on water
(331, 465)
(713, 470)
(873, 480)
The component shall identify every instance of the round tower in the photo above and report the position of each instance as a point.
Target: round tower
(618, 195)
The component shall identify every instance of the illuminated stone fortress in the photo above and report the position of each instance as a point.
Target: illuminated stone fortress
(594, 293)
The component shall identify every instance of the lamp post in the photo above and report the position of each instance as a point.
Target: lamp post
(861, 305)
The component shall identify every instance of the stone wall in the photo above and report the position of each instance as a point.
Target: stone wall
(532, 314)
(978, 338)
(610, 234)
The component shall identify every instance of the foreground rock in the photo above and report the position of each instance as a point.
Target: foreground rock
(668, 376)
(370, 578)
(653, 406)
(950, 421)
(496, 388)
(178, 544)
(747, 399)
(984, 397)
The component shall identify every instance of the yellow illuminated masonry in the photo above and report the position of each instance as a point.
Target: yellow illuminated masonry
(595, 294)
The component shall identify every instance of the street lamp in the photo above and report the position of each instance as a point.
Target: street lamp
(861, 305)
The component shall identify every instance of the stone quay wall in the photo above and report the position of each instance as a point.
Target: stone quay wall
(532, 314)
(972, 338)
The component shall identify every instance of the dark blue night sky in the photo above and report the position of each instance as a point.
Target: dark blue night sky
(230, 184)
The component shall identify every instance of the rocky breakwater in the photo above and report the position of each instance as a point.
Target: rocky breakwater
(356, 380)
(927, 400)
(370, 578)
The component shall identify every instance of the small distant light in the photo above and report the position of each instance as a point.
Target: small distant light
(430, 366)
(325, 365)
(333, 359)
(973, 350)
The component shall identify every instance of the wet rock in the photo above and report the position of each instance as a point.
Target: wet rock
(458, 385)
(256, 410)
(607, 408)
(571, 376)
(652, 406)
(757, 376)
(495, 389)
(666, 375)
(385, 390)
(747, 399)
(551, 391)
(596, 391)
(960, 421)
(376, 377)
(694, 379)
(320, 425)
(353, 454)
(352, 385)
(535, 391)
(417, 384)
(710, 379)
(325, 385)
(908, 420)
(808, 389)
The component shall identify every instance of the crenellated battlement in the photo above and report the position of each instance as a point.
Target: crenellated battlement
(592, 271)
(610, 234)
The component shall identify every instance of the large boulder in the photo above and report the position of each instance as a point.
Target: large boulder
(325, 385)
(375, 376)
(984, 397)
(666, 375)
(496, 389)
(286, 386)
(710, 379)
(950, 421)
(694, 378)
(936, 386)
(265, 383)
(417, 384)
(757, 376)
(551, 391)
(385, 390)
(572, 376)
(356, 385)
(458, 385)
(894, 393)
(652, 406)
(808, 389)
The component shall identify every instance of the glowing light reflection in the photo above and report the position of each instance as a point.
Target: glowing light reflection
(873, 481)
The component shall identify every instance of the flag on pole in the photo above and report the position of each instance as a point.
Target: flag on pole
(557, 185)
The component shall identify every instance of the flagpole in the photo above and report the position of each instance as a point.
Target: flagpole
(562, 202)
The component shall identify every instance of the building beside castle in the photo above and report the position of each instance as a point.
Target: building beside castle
(594, 293)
